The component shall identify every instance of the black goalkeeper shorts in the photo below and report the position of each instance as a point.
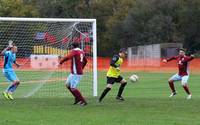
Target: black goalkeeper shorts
(112, 80)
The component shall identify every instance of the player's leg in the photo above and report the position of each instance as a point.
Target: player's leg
(15, 82)
(73, 86)
(76, 100)
(184, 83)
(121, 88)
(12, 88)
(5, 93)
(69, 88)
(171, 81)
(11, 77)
(110, 82)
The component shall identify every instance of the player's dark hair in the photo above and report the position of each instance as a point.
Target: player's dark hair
(75, 45)
(123, 50)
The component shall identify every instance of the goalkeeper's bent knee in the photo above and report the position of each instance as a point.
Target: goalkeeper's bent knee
(123, 84)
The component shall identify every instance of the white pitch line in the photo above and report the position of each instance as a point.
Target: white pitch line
(39, 86)
(38, 81)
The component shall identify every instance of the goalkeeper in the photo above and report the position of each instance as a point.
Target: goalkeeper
(9, 54)
(113, 75)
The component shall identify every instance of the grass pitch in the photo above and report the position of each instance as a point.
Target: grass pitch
(146, 103)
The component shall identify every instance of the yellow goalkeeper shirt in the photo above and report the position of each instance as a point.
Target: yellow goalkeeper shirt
(114, 69)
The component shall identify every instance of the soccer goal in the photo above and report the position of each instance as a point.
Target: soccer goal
(41, 42)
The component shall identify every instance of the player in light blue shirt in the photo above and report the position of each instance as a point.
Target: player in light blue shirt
(9, 58)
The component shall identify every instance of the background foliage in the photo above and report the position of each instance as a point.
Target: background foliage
(121, 23)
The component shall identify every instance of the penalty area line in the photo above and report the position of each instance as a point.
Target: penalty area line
(39, 81)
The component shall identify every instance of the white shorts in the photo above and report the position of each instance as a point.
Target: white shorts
(183, 79)
(73, 80)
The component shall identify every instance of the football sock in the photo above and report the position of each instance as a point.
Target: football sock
(72, 93)
(171, 85)
(186, 88)
(104, 93)
(11, 88)
(77, 94)
(14, 87)
(121, 89)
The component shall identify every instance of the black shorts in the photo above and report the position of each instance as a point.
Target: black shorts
(112, 80)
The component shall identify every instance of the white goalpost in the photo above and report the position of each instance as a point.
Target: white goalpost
(41, 42)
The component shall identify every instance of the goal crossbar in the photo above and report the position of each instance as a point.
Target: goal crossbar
(46, 19)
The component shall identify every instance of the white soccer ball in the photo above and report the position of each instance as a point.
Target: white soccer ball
(133, 78)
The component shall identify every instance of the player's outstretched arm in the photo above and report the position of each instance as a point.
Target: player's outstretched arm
(188, 58)
(17, 64)
(63, 60)
(169, 59)
(67, 57)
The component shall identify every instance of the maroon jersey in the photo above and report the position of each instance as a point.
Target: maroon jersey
(78, 61)
(182, 63)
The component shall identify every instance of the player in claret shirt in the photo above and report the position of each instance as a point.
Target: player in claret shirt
(183, 73)
(78, 62)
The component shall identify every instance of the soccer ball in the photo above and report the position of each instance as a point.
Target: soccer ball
(133, 78)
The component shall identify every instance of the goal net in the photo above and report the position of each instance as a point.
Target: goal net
(41, 42)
